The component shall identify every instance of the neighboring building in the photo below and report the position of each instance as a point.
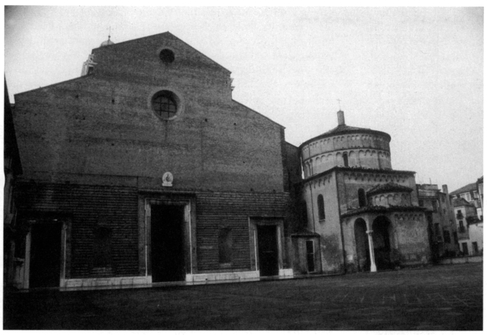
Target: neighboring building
(362, 214)
(144, 170)
(471, 193)
(440, 217)
(480, 190)
(12, 168)
(468, 207)
(469, 227)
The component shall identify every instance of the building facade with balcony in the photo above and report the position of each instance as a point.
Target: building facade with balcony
(473, 194)
(469, 227)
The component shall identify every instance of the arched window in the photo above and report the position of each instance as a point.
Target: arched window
(362, 200)
(321, 207)
(345, 159)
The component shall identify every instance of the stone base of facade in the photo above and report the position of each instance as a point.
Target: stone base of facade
(146, 282)
(231, 277)
(461, 260)
(223, 277)
(104, 283)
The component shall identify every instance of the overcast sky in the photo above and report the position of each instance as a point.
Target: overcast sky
(415, 73)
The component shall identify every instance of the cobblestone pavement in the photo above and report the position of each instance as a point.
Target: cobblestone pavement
(435, 298)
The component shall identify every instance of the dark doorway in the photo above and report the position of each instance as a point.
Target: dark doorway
(310, 255)
(45, 254)
(382, 243)
(362, 245)
(268, 255)
(167, 243)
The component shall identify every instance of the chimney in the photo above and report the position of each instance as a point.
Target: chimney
(341, 118)
(445, 189)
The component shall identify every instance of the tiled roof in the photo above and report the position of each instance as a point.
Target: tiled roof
(458, 202)
(389, 187)
(344, 129)
(467, 188)
(382, 209)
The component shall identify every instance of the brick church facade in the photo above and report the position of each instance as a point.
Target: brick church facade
(145, 171)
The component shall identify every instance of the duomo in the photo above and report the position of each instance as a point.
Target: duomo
(144, 171)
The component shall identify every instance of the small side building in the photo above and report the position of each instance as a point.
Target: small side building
(442, 230)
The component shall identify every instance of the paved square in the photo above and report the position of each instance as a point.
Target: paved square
(435, 298)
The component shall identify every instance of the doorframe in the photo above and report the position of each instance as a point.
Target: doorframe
(189, 231)
(254, 222)
(65, 250)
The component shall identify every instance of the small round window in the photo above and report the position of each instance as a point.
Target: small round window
(165, 104)
(167, 56)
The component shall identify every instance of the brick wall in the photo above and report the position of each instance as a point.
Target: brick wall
(217, 209)
(88, 207)
(102, 124)
(116, 208)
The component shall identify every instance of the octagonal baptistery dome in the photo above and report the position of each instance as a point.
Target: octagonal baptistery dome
(346, 146)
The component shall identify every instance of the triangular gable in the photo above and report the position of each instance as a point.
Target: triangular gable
(165, 34)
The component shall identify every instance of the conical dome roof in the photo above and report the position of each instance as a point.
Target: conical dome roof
(342, 128)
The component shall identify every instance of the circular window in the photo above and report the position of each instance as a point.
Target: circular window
(167, 56)
(165, 104)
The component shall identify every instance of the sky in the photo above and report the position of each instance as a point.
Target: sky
(415, 73)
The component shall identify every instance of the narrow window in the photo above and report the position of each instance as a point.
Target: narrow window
(321, 207)
(225, 245)
(345, 159)
(362, 201)
(310, 255)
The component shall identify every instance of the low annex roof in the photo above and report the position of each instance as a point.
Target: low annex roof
(382, 209)
(303, 232)
(388, 187)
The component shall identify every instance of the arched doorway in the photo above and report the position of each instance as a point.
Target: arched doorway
(362, 245)
(382, 242)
